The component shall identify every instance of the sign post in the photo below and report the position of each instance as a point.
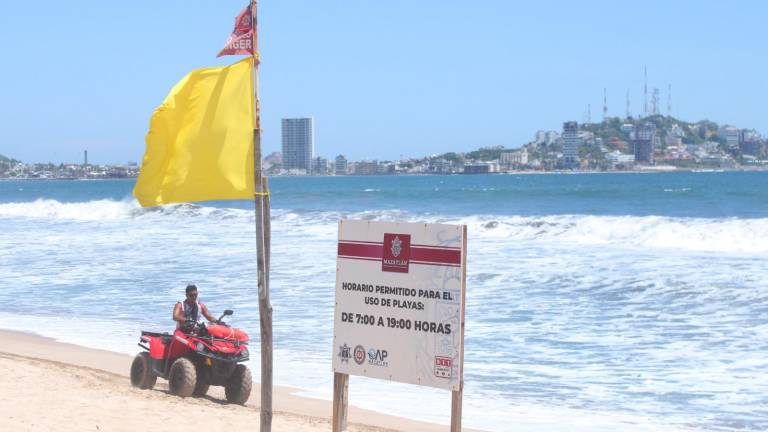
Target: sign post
(399, 313)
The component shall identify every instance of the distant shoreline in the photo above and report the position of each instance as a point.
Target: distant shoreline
(508, 173)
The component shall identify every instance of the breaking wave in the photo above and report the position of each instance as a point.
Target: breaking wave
(655, 232)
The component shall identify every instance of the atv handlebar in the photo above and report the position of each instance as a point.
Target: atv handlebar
(191, 325)
(227, 312)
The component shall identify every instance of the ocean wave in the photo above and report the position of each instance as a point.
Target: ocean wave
(105, 210)
(83, 211)
(654, 232)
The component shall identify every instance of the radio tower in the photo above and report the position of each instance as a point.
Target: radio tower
(656, 110)
(605, 104)
(645, 91)
(589, 113)
(669, 101)
(629, 114)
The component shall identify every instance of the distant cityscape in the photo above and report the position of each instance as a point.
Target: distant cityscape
(650, 143)
(654, 142)
(16, 169)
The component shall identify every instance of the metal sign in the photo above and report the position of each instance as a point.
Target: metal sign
(399, 302)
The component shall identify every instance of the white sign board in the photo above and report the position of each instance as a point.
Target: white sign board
(399, 302)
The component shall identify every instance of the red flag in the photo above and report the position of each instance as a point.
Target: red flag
(240, 41)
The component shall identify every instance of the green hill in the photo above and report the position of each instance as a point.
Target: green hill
(6, 159)
(695, 133)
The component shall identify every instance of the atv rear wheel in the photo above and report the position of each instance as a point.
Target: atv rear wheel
(203, 380)
(183, 377)
(141, 372)
(238, 387)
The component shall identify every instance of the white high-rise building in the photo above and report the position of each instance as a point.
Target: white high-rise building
(298, 144)
(551, 137)
(571, 143)
(340, 167)
(731, 136)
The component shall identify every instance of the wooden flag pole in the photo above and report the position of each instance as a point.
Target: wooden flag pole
(261, 201)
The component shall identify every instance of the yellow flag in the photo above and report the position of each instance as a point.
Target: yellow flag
(200, 140)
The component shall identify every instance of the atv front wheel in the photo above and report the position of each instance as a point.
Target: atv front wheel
(183, 377)
(238, 387)
(141, 372)
(203, 380)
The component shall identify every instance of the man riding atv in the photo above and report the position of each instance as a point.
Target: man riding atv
(195, 356)
(190, 309)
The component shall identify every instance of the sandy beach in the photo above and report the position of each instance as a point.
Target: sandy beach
(63, 387)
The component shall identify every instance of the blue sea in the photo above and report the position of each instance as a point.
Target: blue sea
(595, 302)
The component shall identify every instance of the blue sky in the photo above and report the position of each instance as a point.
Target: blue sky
(382, 79)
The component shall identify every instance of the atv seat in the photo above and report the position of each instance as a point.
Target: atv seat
(166, 338)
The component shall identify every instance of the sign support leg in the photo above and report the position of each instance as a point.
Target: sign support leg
(456, 399)
(340, 401)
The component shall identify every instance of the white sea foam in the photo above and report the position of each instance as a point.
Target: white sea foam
(90, 210)
(655, 232)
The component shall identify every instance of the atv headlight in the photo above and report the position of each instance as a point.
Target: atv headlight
(200, 346)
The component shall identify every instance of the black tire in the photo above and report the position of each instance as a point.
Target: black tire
(203, 380)
(181, 381)
(141, 372)
(238, 388)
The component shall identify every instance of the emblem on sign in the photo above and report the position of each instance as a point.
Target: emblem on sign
(377, 357)
(344, 353)
(396, 243)
(397, 253)
(443, 367)
(359, 354)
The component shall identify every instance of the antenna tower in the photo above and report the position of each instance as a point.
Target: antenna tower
(605, 104)
(589, 113)
(655, 101)
(669, 101)
(629, 114)
(645, 91)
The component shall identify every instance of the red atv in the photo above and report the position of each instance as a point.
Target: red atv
(194, 358)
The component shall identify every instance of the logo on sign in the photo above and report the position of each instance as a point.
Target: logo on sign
(359, 354)
(377, 357)
(396, 246)
(397, 253)
(344, 353)
(443, 367)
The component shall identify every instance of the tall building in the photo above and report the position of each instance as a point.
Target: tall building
(750, 142)
(340, 167)
(643, 143)
(320, 166)
(551, 137)
(731, 135)
(675, 136)
(571, 143)
(298, 144)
